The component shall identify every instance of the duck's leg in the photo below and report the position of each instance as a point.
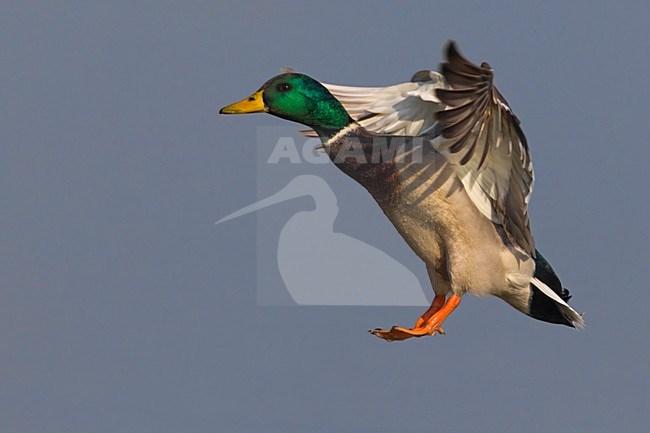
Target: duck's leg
(430, 324)
(438, 302)
(441, 287)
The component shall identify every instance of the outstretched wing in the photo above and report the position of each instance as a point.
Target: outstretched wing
(482, 139)
(400, 109)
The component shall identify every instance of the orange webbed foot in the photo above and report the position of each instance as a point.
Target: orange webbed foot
(429, 324)
(398, 333)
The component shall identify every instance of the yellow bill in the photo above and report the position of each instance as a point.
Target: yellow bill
(252, 104)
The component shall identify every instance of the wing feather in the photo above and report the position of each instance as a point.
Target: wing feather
(482, 138)
(401, 109)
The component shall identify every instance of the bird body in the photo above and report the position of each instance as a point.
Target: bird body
(421, 195)
(446, 160)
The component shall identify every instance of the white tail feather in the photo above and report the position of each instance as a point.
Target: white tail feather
(572, 315)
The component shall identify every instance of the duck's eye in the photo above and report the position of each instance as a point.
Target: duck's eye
(284, 87)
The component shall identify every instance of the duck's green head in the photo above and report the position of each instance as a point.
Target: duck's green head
(296, 97)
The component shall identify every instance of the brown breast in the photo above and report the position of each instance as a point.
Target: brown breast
(370, 160)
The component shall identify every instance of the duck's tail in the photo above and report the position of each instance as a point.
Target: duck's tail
(548, 300)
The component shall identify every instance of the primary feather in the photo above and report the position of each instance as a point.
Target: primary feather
(482, 138)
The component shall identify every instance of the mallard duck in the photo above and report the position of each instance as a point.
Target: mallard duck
(446, 159)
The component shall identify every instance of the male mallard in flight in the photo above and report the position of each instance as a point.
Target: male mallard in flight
(457, 193)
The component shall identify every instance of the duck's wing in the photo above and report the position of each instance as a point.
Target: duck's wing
(482, 139)
(400, 109)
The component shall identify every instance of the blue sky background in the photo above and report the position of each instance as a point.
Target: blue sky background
(124, 309)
